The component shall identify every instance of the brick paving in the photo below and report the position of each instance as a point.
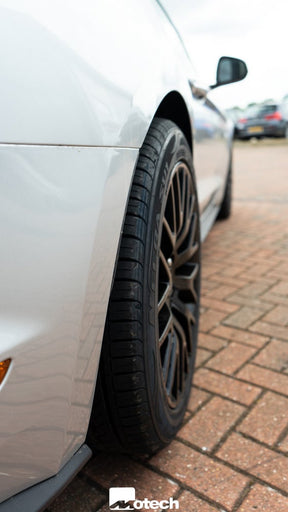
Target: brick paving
(232, 452)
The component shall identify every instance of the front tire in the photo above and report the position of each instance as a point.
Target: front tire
(150, 338)
(226, 205)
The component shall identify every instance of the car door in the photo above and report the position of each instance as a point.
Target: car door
(210, 149)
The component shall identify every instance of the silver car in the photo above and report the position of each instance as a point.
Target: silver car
(114, 165)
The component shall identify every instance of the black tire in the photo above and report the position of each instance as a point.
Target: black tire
(156, 283)
(226, 205)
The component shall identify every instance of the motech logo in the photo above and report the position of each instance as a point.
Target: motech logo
(120, 498)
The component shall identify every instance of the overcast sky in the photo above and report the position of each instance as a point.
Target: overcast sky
(254, 30)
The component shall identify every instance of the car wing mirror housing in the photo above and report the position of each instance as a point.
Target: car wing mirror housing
(229, 70)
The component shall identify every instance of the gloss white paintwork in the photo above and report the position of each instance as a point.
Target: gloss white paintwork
(80, 84)
(61, 212)
(74, 65)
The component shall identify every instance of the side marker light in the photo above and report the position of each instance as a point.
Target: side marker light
(4, 366)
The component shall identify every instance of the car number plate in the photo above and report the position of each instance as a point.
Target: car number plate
(255, 129)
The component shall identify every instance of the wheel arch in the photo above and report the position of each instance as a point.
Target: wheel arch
(173, 107)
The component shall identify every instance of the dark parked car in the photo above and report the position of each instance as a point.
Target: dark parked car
(270, 120)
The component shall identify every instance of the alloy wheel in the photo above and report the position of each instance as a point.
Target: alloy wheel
(178, 283)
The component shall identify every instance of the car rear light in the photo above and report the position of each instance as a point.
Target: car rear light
(4, 365)
(243, 120)
(276, 115)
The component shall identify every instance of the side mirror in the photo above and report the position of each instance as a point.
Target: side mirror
(229, 70)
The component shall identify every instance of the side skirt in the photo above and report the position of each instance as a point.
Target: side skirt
(39, 496)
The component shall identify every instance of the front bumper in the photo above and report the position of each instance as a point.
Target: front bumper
(61, 214)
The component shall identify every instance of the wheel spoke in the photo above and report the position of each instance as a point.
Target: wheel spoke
(189, 227)
(166, 282)
(168, 327)
(167, 359)
(183, 353)
(173, 201)
(186, 314)
(172, 366)
(184, 309)
(187, 281)
(183, 195)
(186, 256)
(181, 333)
(169, 232)
(179, 212)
